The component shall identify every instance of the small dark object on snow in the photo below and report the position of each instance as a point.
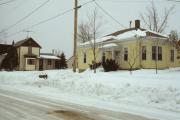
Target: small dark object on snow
(45, 76)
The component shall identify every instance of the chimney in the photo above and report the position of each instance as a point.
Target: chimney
(137, 24)
(130, 24)
(13, 43)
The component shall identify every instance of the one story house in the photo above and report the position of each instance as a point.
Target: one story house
(48, 61)
(3, 52)
(134, 47)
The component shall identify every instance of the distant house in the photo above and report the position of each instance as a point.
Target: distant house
(48, 61)
(28, 54)
(29, 57)
(133, 47)
(3, 52)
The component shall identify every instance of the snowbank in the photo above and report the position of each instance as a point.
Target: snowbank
(143, 88)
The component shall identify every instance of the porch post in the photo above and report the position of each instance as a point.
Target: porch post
(113, 54)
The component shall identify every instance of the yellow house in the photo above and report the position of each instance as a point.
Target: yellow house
(28, 51)
(132, 48)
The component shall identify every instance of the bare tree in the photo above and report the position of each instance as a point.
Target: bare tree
(154, 21)
(132, 59)
(89, 31)
(174, 35)
(84, 34)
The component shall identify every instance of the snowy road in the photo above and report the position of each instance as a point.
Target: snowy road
(22, 106)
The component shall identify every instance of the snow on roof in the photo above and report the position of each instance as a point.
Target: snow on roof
(157, 33)
(126, 35)
(49, 57)
(99, 40)
(130, 34)
(110, 45)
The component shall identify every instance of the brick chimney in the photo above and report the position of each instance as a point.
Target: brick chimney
(137, 24)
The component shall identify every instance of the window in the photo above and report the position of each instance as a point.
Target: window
(125, 54)
(143, 52)
(153, 52)
(31, 61)
(103, 57)
(85, 59)
(172, 56)
(49, 62)
(157, 53)
(29, 50)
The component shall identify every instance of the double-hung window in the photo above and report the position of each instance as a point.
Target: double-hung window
(172, 56)
(85, 59)
(125, 54)
(156, 53)
(143, 52)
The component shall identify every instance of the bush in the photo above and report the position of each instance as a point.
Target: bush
(92, 67)
(62, 62)
(110, 65)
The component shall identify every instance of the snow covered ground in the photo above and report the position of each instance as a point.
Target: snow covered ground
(143, 92)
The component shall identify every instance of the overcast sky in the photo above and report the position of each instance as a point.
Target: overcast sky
(58, 33)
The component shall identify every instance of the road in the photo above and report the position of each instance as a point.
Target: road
(22, 106)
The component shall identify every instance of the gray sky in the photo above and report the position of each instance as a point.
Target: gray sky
(58, 33)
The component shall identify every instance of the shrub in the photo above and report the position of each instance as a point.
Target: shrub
(110, 65)
(92, 67)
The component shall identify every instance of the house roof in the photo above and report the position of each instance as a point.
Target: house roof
(148, 32)
(27, 42)
(126, 34)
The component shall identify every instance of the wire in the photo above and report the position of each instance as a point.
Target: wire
(174, 0)
(29, 14)
(108, 14)
(51, 18)
(130, 1)
(4, 3)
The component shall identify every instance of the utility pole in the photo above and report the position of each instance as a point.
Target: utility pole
(75, 35)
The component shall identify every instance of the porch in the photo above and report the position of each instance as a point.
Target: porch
(111, 51)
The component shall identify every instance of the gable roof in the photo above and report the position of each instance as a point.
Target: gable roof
(147, 32)
(124, 34)
(26, 42)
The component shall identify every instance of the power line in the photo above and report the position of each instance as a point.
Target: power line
(174, 0)
(108, 14)
(51, 18)
(4, 3)
(29, 14)
(128, 1)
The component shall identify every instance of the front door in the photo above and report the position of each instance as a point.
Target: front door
(41, 64)
(117, 57)
(56, 64)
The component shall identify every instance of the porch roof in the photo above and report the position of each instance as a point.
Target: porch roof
(110, 45)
